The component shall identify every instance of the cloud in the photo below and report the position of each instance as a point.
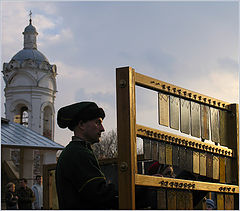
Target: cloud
(229, 91)
(189, 44)
(228, 64)
(69, 72)
(52, 33)
(50, 8)
(56, 39)
(43, 22)
(99, 96)
(222, 85)
(13, 18)
(63, 136)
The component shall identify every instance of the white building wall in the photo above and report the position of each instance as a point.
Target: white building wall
(6, 154)
(49, 157)
(26, 165)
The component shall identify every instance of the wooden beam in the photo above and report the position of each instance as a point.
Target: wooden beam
(126, 132)
(161, 86)
(164, 182)
(233, 140)
(147, 132)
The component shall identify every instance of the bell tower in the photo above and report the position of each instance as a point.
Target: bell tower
(30, 89)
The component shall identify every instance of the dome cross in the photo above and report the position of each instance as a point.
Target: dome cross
(30, 15)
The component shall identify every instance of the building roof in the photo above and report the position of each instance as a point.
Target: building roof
(30, 28)
(32, 54)
(16, 135)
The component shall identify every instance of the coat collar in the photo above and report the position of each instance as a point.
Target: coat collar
(84, 143)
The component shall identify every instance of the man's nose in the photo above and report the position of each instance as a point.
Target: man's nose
(102, 128)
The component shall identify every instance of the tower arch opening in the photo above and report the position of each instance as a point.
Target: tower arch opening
(21, 115)
(48, 122)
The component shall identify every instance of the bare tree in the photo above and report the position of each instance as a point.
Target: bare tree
(107, 148)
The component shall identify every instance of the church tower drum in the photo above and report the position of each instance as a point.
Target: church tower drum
(31, 87)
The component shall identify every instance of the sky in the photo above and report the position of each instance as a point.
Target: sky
(190, 44)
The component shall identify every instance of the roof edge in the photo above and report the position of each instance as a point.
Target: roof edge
(4, 120)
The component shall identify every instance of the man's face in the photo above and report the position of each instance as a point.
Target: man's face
(22, 183)
(39, 180)
(12, 188)
(92, 130)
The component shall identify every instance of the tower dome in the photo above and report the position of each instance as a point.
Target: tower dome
(30, 28)
(31, 54)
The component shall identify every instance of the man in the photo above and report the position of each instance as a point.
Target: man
(38, 192)
(11, 197)
(25, 195)
(79, 180)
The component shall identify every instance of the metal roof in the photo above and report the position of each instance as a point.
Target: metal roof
(16, 135)
(30, 28)
(32, 54)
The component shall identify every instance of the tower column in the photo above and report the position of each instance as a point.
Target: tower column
(36, 113)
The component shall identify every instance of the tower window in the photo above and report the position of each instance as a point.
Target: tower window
(24, 116)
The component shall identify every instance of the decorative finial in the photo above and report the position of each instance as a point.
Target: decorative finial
(30, 15)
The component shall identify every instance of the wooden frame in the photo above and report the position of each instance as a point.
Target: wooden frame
(126, 80)
(126, 121)
(47, 195)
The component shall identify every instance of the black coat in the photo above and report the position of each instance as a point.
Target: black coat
(79, 180)
(25, 198)
(11, 200)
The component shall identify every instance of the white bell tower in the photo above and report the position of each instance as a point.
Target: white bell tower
(31, 87)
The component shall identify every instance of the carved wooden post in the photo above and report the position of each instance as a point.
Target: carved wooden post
(126, 122)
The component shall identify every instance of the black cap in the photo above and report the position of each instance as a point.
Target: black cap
(70, 115)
